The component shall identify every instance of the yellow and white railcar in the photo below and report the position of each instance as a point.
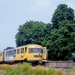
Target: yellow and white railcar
(8, 55)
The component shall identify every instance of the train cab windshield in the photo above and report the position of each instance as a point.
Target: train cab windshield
(10, 53)
(35, 50)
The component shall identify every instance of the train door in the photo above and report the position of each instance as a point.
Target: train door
(25, 53)
(44, 55)
(22, 53)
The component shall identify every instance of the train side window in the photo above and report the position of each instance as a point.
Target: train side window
(18, 51)
(31, 50)
(7, 53)
(12, 52)
(22, 50)
(25, 49)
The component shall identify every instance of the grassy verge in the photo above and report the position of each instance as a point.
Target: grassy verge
(6, 67)
(27, 69)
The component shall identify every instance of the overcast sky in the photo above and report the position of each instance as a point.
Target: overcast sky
(16, 12)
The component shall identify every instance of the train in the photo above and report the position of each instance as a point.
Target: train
(32, 53)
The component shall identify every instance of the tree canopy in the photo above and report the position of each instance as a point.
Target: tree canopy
(30, 32)
(62, 41)
(63, 12)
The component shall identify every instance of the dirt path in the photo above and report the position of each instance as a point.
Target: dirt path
(2, 72)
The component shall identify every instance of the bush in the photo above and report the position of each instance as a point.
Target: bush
(39, 71)
(50, 71)
(20, 69)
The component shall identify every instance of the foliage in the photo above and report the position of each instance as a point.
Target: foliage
(50, 71)
(6, 68)
(38, 70)
(62, 41)
(20, 69)
(30, 32)
(63, 12)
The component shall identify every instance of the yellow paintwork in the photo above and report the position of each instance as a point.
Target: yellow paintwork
(26, 55)
(31, 56)
(44, 55)
(1, 57)
(21, 55)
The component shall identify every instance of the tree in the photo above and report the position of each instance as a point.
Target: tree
(30, 32)
(46, 35)
(63, 12)
(62, 41)
(62, 34)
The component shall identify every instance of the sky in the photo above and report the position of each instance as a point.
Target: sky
(16, 12)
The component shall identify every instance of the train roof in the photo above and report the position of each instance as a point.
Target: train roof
(8, 48)
(11, 48)
(30, 45)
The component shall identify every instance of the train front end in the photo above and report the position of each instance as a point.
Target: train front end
(35, 54)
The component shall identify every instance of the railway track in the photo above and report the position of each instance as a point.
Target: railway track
(60, 64)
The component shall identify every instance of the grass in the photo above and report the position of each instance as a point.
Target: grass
(20, 69)
(7, 68)
(50, 71)
(39, 71)
(27, 69)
